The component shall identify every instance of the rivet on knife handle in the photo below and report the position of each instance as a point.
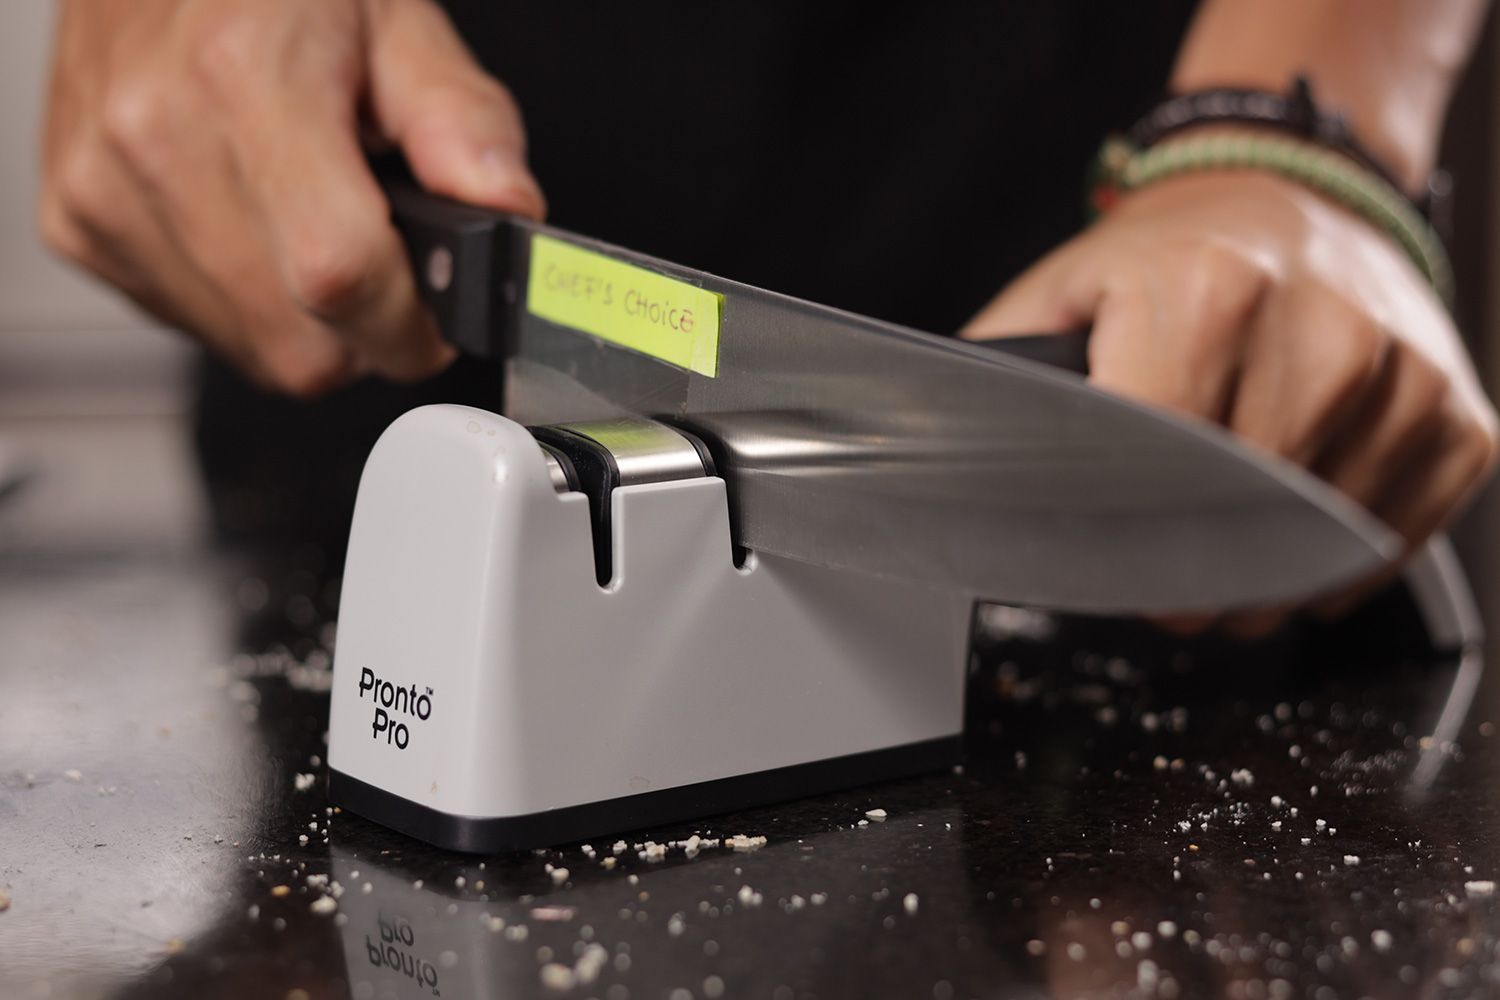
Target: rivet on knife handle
(456, 253)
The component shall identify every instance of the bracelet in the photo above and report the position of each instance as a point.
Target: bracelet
(1122, 168)
(1296, 113)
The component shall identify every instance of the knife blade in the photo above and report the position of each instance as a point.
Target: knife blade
(858, 444)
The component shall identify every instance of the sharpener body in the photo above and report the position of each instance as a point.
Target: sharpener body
(489, 693)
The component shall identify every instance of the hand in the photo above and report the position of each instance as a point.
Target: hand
(1244, 299)
(206, 158)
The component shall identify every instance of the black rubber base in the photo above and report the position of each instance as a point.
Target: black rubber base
(591, 820)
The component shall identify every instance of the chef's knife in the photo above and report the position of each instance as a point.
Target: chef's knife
(852, 443)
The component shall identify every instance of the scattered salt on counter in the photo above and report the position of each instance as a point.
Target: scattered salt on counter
(558, 977)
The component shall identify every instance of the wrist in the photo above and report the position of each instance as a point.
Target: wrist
(1122, 169)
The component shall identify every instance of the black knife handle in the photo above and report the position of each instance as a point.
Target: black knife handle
(461, 259)
(1068, 350)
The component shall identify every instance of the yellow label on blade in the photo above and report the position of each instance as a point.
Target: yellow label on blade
(624, 304)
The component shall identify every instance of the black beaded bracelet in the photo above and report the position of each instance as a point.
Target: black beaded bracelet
(1295, 112)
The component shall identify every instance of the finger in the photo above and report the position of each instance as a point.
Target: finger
(1059, 292)
(1255, 624)
(1309, 365)
(1401, 437)
(341, 260)
(1174, 335)
(459, 128)
(1185, 626)
(1426, 496)
(1401, 416)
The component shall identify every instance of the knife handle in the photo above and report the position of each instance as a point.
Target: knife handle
(461, 260)
(1068, 350)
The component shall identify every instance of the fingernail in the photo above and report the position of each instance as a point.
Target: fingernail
(505, 174)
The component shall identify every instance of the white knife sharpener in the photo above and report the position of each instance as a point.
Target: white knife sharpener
(541, 643)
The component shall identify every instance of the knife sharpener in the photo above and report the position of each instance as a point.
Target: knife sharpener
(547, 635)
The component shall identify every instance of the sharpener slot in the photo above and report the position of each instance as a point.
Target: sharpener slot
(718, 462)
(606, 454)
(560, 468)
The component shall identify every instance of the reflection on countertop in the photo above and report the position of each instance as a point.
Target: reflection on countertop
(1134, 818)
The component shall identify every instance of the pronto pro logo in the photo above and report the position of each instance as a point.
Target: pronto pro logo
(390, 702)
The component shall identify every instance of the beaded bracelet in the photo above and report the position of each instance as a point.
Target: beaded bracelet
(1122, 168)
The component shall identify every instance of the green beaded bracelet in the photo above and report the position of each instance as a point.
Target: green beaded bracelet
(1123, 168)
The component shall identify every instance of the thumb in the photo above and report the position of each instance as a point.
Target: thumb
(458, 126)
(1056, 294)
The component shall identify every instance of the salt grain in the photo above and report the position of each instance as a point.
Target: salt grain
(323, 905)
(1479, 888)
(590, 964)
(1381, 940)
(875, 814)
(910, 903)
(556, 976)
(559, 876)
(302, 782)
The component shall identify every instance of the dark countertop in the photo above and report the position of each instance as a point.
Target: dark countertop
(1135, 818)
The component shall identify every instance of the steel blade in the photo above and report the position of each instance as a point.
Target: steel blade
(857, 444)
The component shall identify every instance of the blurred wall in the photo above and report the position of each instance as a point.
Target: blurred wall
(66, 343)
